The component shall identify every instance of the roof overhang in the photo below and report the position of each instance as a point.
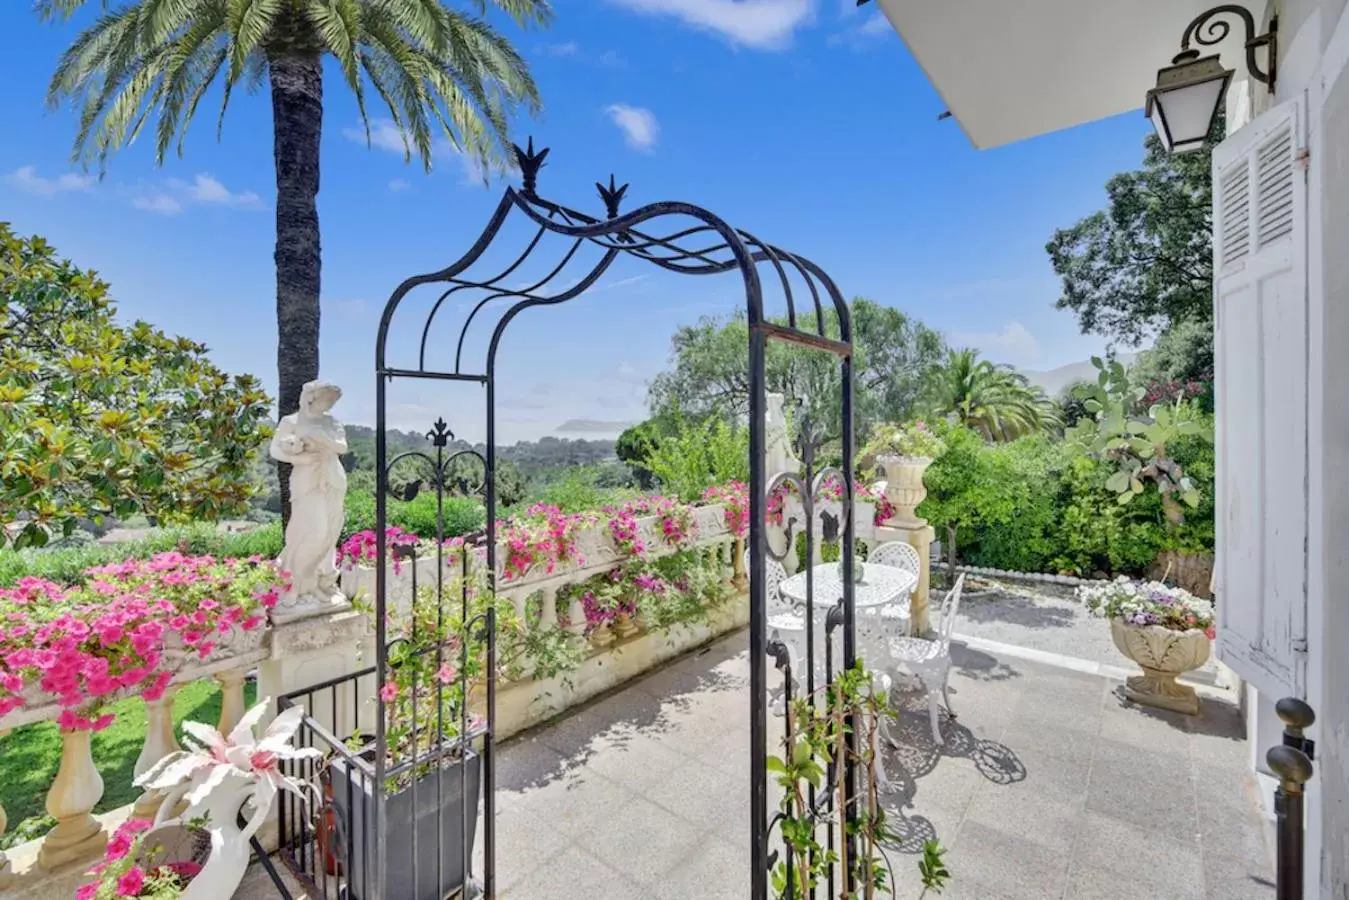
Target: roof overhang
(1012, 69)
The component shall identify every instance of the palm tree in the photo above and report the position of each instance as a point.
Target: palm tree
(995, 401)
(433, 67)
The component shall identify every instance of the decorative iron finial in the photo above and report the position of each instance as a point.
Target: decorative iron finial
(530, 163)
(440, 434)
(612, 196)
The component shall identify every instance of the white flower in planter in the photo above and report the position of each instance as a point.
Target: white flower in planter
(212, 758)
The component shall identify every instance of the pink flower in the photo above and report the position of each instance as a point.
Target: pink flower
(87, 891)
(119, 845)
(262, 760)
(446, 673)
(131, 883)
(389, 692)
(156, 690)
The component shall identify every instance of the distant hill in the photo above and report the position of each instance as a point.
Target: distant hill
(1053, 381)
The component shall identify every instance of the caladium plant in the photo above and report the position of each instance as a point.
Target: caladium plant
(211, 757)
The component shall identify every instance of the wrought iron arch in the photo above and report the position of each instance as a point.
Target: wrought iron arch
(710, 246)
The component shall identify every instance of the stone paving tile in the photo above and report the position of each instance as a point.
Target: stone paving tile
(1047, 786)
(988, 861)
(1113, 858)
(573, 874)
(1166, 808)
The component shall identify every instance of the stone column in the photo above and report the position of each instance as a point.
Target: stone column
(548, 608)
(77, 789)
(905, 490)
(232, 707)
(159, 743)
(5, 873)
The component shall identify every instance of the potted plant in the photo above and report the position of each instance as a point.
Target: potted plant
(1166, 630)
(903, 452)
(434, 661)
(202, 852)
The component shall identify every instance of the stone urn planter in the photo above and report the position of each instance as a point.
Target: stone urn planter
(904, 486)
(1162, 654)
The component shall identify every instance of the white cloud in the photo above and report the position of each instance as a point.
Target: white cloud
(859, 37)
(567, 48)
(157, 202)
(763, 24)
(208, 189)
(639, 125)
(174, 195)
(399, 184)
(384, 135)
(1013, 344)
(612, 59)
(26, 179)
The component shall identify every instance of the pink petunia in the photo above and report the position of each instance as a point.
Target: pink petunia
(131, 883)
(389, 692)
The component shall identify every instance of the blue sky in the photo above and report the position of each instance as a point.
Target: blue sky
(804, 121)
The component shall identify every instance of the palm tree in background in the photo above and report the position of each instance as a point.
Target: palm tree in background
(436, 69)
(995, 401)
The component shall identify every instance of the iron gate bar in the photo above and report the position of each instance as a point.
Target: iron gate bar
(790, 336)
(618, 233)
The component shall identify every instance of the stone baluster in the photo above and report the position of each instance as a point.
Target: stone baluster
(159, 743)
(231, 698)
(5, 873)
(77, 789)
(576, 612)
(727, 550)
(741, 577)
(548, 608)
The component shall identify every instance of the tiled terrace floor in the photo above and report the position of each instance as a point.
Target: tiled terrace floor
(1049, 786)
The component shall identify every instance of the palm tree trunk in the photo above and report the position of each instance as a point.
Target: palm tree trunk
(297, 123)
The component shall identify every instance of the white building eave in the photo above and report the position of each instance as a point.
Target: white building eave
(1011, 70)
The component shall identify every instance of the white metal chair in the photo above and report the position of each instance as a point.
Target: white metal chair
(930, 660)
(785, 623)
(899, 555)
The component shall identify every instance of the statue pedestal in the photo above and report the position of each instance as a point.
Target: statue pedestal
(918, 535)
(292, 609)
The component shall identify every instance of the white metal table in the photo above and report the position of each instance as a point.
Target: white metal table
(878, 601)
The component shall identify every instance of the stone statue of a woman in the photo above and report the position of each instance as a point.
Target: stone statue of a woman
(312, 441)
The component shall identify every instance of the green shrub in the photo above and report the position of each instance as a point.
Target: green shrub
(579, 492)
(67, 566)
(699, 455)
(418, 516)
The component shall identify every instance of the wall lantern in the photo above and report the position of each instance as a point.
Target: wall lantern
(1189, 94)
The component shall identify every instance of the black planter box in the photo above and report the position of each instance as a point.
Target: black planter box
(445, 840)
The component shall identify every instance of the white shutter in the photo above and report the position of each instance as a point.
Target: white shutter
(1260, 313)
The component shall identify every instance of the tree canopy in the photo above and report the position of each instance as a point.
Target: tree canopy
(100, 418)
(996, 401)
(709, 373)
(1145, 262)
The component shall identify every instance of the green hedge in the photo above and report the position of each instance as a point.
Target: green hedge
(462, 514)
(67, 565)
(1036, 505)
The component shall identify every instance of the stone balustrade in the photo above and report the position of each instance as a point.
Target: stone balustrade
(79, 836)
(336, 643)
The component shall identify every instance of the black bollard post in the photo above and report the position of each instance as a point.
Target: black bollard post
(1292, 762)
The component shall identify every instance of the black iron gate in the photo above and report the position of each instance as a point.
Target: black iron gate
(382, 774)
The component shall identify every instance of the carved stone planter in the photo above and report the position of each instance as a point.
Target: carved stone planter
(1162, 654)
(904, 486)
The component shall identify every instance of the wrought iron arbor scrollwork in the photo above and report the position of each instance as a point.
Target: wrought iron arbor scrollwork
(707, 246)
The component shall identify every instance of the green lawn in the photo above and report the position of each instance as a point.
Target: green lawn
(30, 756)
